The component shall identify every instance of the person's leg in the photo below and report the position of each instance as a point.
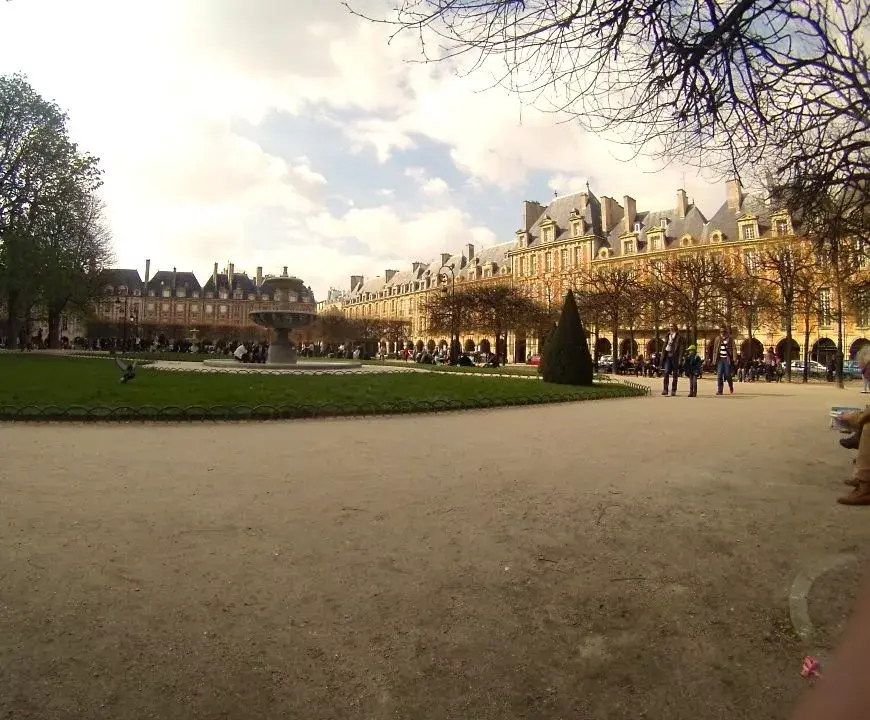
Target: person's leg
(667, 371)
(720, 376)
(693, 386)
(675, 369)
(729, 376)
(861, 476)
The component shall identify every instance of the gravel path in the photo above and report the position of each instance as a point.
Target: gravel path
(617, 559)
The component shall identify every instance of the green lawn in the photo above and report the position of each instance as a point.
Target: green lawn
(47, 386)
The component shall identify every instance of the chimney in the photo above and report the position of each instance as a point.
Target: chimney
(735, 194)
(147, 271)
(388, 275)
(611, 213)
(284, 273)
(682, 203)
(417, 266)
(531, 212)
(355, 280)
(630, 207)
(214, 278)
(469, 252)
(230, 269)
(259, 275)
(445, 257)
(174, 276)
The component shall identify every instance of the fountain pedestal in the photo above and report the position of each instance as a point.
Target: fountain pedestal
(282, 350)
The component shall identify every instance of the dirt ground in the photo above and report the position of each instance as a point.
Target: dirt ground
(613, 559)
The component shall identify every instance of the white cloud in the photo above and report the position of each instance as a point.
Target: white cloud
(156, 97)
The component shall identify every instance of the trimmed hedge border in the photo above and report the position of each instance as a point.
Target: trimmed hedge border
(174, 413)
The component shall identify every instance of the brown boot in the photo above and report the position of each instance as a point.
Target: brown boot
(859, 496)
(851, 482)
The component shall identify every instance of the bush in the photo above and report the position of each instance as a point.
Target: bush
(566, 359)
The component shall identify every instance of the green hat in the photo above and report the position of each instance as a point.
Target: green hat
(693, 347)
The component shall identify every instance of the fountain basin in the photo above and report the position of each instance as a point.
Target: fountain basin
(301, 365)
(282, 319)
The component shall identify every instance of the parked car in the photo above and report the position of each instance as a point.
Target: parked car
(535, 360)
(605, 363)
(816, 369)
(851, 370)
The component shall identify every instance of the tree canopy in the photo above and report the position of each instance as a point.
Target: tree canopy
(53, 240)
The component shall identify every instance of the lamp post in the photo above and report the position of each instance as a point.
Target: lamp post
(134, 319)
(126, 313)
(454, 339)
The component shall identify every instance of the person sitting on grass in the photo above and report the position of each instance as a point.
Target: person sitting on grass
(692, 366)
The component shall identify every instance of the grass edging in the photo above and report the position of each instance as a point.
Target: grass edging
(82, 413)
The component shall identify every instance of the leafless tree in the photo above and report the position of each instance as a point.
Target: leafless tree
(694, 286)
(612, 290)
(731, 85)
(751, 300)
(782, 265)
(497, 308)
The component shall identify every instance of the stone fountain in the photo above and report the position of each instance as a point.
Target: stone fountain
(298, 311)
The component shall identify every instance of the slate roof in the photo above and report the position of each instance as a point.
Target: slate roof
(118, 277)
(172, 279)
(693, 224)
(240, 280)
(428, 271)
(725, 219)
(560, 211)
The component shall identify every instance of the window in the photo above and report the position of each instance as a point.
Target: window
(522, 266)
(860, 249)
(637, 227)
(747, 232)
(180, 292)
(179, 307)
(780, 227)
(64, 323)
(824, 307)
(563, 258)
(164, 307)
(656, 242)
(750, 261)
(864, 316)
(664, 224)
(194, 309)
(222, 309)
(237, 294)
(195, 294)
(547, 234)
(628, 247)
(150, 307)
(578, 256)
(548, 261)
(533, 261)
(222, 294)
(167, 292)
(575, 228)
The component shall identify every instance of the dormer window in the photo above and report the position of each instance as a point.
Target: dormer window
(664, 224)
(223, 294)
(716, 237)
(180, 292)
(575, 228)
(547, 234)
(603, 253)
(655, 242)
(627, 247)
(685, 241)
(637, 227)
(747, 232)
(167, 292)
(780, 226)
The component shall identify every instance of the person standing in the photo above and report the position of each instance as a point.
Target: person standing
(672, 356)
(723, 354)
(692, 368)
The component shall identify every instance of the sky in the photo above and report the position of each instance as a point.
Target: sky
(277, 132)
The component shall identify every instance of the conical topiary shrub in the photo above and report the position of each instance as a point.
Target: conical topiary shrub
(566, 358)
(542, 350)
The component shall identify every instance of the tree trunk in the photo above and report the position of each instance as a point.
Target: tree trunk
(13, 323)
(840, 353)
(53, 329)
(788, 341)
(806, 347)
